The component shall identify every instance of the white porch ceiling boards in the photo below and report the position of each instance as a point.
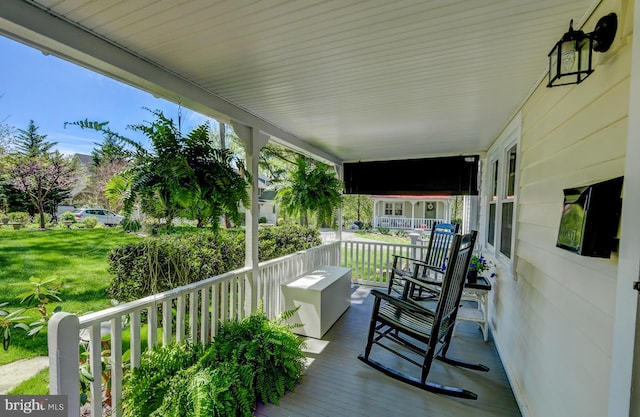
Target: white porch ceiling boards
(360, 80)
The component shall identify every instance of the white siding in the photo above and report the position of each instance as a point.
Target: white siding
(553, 320)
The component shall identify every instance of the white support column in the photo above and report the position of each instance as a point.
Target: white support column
(625, 357)
(413, 215)
(340, 174)
(64, 359)
(374, 221)
(254, 140)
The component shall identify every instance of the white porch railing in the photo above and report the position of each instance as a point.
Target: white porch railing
(371, 262)
(405, 223)
(199, 309)
(194, 313)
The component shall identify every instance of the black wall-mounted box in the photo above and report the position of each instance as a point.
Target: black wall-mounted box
(590, 218)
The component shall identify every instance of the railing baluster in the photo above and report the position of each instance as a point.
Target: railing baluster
(95, 367)
(215, 309)
(152, 326)
(224, 301)
(135, 342)
(166, 322)
(193, 316)
(180, 318)
(116, 365)
(204, 316)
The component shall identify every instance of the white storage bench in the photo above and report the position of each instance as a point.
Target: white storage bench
(322, 295)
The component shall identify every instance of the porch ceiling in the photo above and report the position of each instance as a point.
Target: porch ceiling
(352, 80)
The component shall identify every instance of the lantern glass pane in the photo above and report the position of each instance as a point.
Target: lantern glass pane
(585, 55)
(553, 63)
(568, 58)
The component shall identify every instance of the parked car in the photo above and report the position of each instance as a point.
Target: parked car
(104, 216)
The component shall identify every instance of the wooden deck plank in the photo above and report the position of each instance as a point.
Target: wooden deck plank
(337, 384)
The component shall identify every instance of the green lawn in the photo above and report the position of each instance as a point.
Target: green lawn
(383, 238)
(78, 258)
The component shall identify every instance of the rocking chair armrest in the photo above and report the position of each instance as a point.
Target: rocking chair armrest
(403, 304)
(422, 281)
(405, 257)
(416, 262)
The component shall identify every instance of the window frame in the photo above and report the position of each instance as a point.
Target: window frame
(500, 152)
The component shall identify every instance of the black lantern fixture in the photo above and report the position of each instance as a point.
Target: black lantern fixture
(570, 60)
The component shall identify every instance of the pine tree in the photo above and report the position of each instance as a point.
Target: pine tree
(31, 144)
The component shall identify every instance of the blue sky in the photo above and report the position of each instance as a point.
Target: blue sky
(52, 91)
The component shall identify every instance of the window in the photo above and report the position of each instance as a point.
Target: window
(493, 198)
(393, 209)
(506, 223)
(501, 192)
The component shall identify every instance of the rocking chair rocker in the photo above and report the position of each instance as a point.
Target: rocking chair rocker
(402, 322)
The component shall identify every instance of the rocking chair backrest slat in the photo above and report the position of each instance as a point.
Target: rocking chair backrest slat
(439, 243)
(453, 284)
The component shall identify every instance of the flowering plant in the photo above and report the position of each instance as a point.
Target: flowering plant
(478, 263)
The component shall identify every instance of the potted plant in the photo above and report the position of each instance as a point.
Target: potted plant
(477, 265)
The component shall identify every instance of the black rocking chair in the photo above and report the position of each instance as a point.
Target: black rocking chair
(431, 267)
(401, 322)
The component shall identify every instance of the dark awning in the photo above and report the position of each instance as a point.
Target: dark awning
(454, 175)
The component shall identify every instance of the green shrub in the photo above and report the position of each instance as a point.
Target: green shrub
(249, 361)
(401, 233)
(169, 261)
(383, 230)
(69, 216)
(19, 217)
(262, 219)
(129, 225)
(89, 222)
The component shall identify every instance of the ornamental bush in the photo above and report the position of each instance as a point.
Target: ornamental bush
(69, 216)
(165, 262)
(90, 222)
(19, 217)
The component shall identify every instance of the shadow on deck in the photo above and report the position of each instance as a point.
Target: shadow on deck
(337, 384)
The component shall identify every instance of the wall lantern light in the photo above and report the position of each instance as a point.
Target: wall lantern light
(570, 60)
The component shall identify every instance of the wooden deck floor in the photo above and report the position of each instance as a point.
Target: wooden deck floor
(337, 384)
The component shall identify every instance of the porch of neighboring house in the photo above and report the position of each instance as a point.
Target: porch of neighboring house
(414, 212)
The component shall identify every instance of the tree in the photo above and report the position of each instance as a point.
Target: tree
(6, 136)
(276, 162)
(35, 178)
(357, 207)
(109, 158)
(31, 144)
(40, 176)
(110, 150)
(313, 189)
